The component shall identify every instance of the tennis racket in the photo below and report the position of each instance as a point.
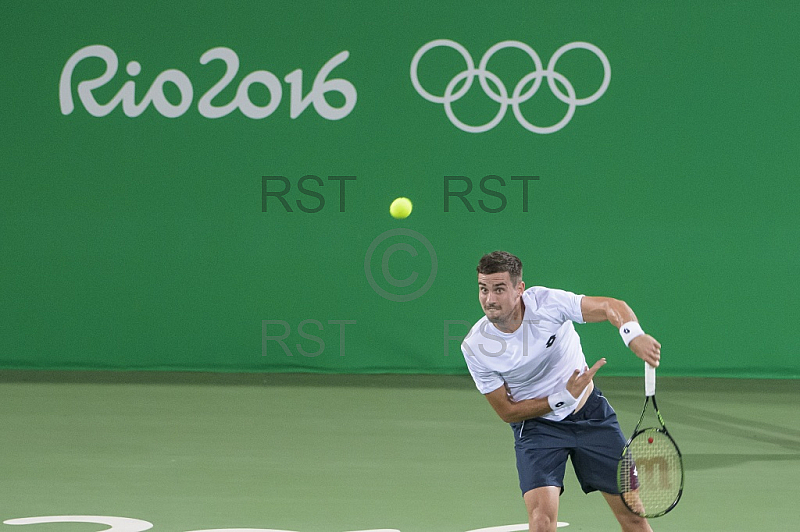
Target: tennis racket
(650, 471)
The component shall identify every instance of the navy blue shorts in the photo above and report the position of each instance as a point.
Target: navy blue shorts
(591, 438)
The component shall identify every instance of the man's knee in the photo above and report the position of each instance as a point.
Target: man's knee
(542, 521)
(542, 506)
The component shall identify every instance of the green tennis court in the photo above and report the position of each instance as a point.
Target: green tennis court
(314, 453)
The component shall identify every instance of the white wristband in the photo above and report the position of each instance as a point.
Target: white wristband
(629, 331)
(560, 400)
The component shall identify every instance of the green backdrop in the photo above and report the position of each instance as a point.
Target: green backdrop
(158, 237)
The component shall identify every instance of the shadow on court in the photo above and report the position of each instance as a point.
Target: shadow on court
(702, 462)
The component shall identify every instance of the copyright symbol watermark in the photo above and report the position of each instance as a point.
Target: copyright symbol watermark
(396, 264)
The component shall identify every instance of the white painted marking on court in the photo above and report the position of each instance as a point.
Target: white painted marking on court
(117, 524)
(126, 524)
(512, 528)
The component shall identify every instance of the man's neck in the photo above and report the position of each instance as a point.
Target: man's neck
(514, 322)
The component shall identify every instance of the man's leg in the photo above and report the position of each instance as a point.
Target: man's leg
(629, 521)
(542, 505)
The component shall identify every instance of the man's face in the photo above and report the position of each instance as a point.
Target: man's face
(498, 296)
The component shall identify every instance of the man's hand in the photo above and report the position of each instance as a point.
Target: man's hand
(579, 381)
(647, 348)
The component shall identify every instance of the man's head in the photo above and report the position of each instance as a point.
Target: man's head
(500, 285)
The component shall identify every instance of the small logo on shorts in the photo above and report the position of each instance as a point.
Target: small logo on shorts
(550, 341)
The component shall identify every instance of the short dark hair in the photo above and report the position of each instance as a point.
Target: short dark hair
(501, 261)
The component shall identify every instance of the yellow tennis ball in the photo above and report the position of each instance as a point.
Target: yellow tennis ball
(400, 208)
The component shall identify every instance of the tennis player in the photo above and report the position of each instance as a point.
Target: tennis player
(526, 358)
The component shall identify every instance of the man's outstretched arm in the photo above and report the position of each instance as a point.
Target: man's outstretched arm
(618, 313)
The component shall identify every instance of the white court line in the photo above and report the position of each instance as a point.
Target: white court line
(126, 524)
(511, 528)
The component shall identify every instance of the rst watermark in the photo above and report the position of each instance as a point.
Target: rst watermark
(333, 330)
(311, 193)
(491, 345)
(275, 187)
(449, 337)
(461, 187)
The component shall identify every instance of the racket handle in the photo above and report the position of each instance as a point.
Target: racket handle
(649, 380)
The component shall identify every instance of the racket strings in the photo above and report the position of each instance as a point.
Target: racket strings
(651, 473)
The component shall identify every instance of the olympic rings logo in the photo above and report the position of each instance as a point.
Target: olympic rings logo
(501, 94)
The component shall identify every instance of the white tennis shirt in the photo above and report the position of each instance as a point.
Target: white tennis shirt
(538, 358)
